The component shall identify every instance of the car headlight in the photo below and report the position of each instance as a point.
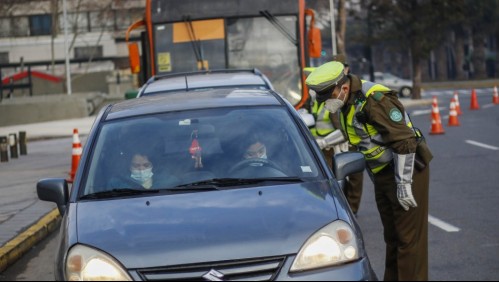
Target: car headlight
(87, 264)
(334, 244)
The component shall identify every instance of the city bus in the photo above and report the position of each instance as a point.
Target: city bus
(277, 37)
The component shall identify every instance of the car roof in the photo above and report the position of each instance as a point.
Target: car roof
(227, 78)
(192, 100)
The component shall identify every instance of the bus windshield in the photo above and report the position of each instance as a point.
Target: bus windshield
(268, 44)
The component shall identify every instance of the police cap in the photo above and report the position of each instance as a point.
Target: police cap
(326, 77)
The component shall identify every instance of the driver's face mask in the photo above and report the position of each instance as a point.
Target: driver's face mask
(257, 150)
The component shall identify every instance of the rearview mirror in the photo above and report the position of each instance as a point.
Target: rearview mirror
(54, 190)
(347, 163)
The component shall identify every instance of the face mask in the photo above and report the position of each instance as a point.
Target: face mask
(142, 176)
(333, 105)
(321, 98)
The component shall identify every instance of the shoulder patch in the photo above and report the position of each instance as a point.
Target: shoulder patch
(378, 96)
(395, 115)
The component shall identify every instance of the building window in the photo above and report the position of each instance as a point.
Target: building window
(14, 27)
(77, 22)
(103, 20)
(40, 25)
(4, 57)
(88, 52)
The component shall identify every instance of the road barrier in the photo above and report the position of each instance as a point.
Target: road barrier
(13, 146)
(23, 148)
(474, 101)
(77, 150)
(453, 121)
(4, 144)
(436, 121)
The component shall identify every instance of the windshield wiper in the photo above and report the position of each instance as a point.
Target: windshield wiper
(118, 193)
(227, 182)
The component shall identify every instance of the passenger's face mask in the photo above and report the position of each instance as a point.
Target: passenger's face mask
(333, 105)
(142, 176)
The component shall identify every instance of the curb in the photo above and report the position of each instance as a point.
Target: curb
(15, 248)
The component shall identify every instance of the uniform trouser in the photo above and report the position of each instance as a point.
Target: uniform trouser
(353, 185)
(405, 232)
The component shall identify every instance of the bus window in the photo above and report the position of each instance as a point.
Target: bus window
(256, 42)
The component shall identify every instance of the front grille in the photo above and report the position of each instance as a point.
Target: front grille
(259, 269)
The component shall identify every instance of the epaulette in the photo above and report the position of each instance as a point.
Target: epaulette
(378, 96)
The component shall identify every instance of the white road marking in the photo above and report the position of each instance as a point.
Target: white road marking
(420, 112)
(442, 225)
(488, 106)
(482, 145)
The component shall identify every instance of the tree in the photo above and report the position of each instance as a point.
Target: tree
(419, 25)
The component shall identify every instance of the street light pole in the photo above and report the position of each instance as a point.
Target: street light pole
(333, 27)
(66, 49)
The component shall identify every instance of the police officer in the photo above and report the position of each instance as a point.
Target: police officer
(327, 131)
(397, 159)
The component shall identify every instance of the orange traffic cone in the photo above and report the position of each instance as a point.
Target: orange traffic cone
(456, 101)
(495, 99)
(474, 102)
(436, 122)
(453, 121)
(77, 150)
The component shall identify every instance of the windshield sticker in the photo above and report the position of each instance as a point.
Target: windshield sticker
(164, 62)
(185, 122)
(306, 169)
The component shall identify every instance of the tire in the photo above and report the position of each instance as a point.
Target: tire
(405, 92)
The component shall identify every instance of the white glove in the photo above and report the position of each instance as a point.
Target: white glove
(321, 142)
(405, 197)
(340, 148)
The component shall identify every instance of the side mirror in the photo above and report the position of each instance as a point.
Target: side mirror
(54, 190)
(307, 118)
(348, 163)
(134, 57)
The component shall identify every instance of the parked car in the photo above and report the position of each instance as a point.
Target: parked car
(199, 80)
(403, 86)
(218, 216)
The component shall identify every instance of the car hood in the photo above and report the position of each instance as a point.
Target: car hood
(206, 226)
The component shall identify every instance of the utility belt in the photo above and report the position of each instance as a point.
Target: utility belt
(423, 153)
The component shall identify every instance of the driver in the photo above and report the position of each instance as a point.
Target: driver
(256, 148)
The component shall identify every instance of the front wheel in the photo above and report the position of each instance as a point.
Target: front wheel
(405, 92)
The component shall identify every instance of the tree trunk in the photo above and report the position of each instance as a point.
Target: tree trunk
(478, 57)
(441, 60)
(459, 54)
(342, 14)
(416, 74)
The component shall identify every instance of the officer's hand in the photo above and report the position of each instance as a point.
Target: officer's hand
(405, 197)
(322, 143)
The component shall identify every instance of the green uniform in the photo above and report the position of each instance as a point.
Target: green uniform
(376, 122)
(325, 124)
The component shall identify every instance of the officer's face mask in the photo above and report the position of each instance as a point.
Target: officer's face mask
(323, 96)
(333, 105)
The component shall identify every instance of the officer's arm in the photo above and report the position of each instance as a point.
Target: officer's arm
(333, 138)
(388, 116)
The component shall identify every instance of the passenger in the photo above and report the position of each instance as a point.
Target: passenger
(141, 172)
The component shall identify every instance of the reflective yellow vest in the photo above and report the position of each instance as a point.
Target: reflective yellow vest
(323, 125)
(365, 136)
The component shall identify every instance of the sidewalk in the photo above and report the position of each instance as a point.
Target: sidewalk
(21, 230)
(24, 219)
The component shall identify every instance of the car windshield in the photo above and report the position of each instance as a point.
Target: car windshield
(222, 148)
